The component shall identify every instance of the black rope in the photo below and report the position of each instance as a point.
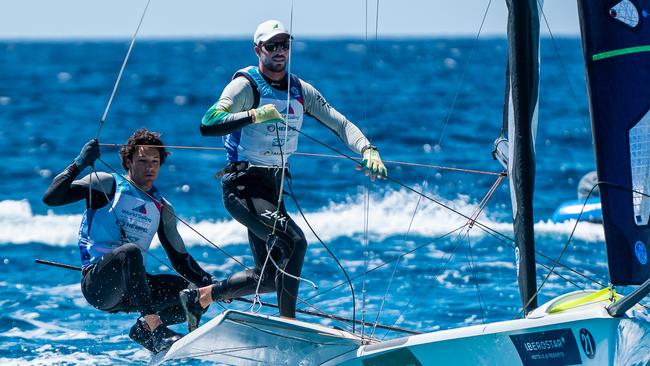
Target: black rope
(564, 249)
(482, 226)
(345, 273)
(388, 262)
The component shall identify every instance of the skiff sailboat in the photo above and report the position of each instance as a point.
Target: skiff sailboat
(584, 327)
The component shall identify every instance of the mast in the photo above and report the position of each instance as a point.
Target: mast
(616, 47)
(520, 117)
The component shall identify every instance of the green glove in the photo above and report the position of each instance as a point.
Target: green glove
(373, 164)
(266, 113)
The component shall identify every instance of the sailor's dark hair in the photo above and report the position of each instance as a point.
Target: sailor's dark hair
(142, 137)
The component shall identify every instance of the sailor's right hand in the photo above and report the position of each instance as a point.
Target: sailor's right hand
(372, 164)
(89, 153)
(266, 113)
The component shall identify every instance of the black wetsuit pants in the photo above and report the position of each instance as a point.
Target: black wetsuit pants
(119, 282)
(251, 197)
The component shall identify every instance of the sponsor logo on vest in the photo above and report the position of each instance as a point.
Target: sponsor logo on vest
(588, 343)
(641, 252)
(141, 209)
(270, 128)
(136, 227)
(136, 214)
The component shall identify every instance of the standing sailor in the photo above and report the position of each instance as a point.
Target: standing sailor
(121, 218)
(249, 114)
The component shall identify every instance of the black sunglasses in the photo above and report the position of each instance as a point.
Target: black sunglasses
(273, 46)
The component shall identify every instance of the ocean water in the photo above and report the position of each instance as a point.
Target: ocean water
(424, 101)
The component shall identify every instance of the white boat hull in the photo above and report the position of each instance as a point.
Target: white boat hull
(238, 338)
(584, 335)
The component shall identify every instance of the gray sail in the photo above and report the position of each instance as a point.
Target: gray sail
(517, 152)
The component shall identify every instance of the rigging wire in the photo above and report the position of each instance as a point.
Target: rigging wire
(366, 197)
(557, 261)
(485, 228)
(394, 162)
(345, 273)
(119, 75)
(564, 249)
(462, 76)
(110, 100)
(388, 262)
(439, 272)
(392, 276)
(472, 267)
(562, 66)
(468, 225)
(283, 168)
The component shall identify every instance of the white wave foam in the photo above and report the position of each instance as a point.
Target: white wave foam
(389, 215)
(18, 225)
(43, 330)
(55, 358)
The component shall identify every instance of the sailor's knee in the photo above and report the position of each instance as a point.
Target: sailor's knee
(267, 281)
(301, 245)
(130, 252)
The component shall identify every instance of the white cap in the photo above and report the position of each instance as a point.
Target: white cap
(268, 30)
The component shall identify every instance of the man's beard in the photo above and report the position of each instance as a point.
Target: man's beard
(274, 65)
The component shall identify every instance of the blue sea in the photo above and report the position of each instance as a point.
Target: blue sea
(434, 102)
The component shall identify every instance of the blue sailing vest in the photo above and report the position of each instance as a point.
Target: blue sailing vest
(260, 144)
(131, 210)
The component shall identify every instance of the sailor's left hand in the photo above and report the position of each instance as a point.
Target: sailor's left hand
(373, 164)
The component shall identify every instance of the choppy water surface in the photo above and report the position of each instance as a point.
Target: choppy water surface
(52, 96)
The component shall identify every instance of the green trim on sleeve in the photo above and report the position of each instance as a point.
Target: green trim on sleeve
(214, 116)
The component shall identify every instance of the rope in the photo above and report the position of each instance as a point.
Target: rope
(392, 276)
(562, 67)
(394, 162)
(564, 249)
(439, 272)
(345, 273)
(282, 177)
(462, 76)
(469, 224)
(472, 267)
(119, 75)
(388, 262)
